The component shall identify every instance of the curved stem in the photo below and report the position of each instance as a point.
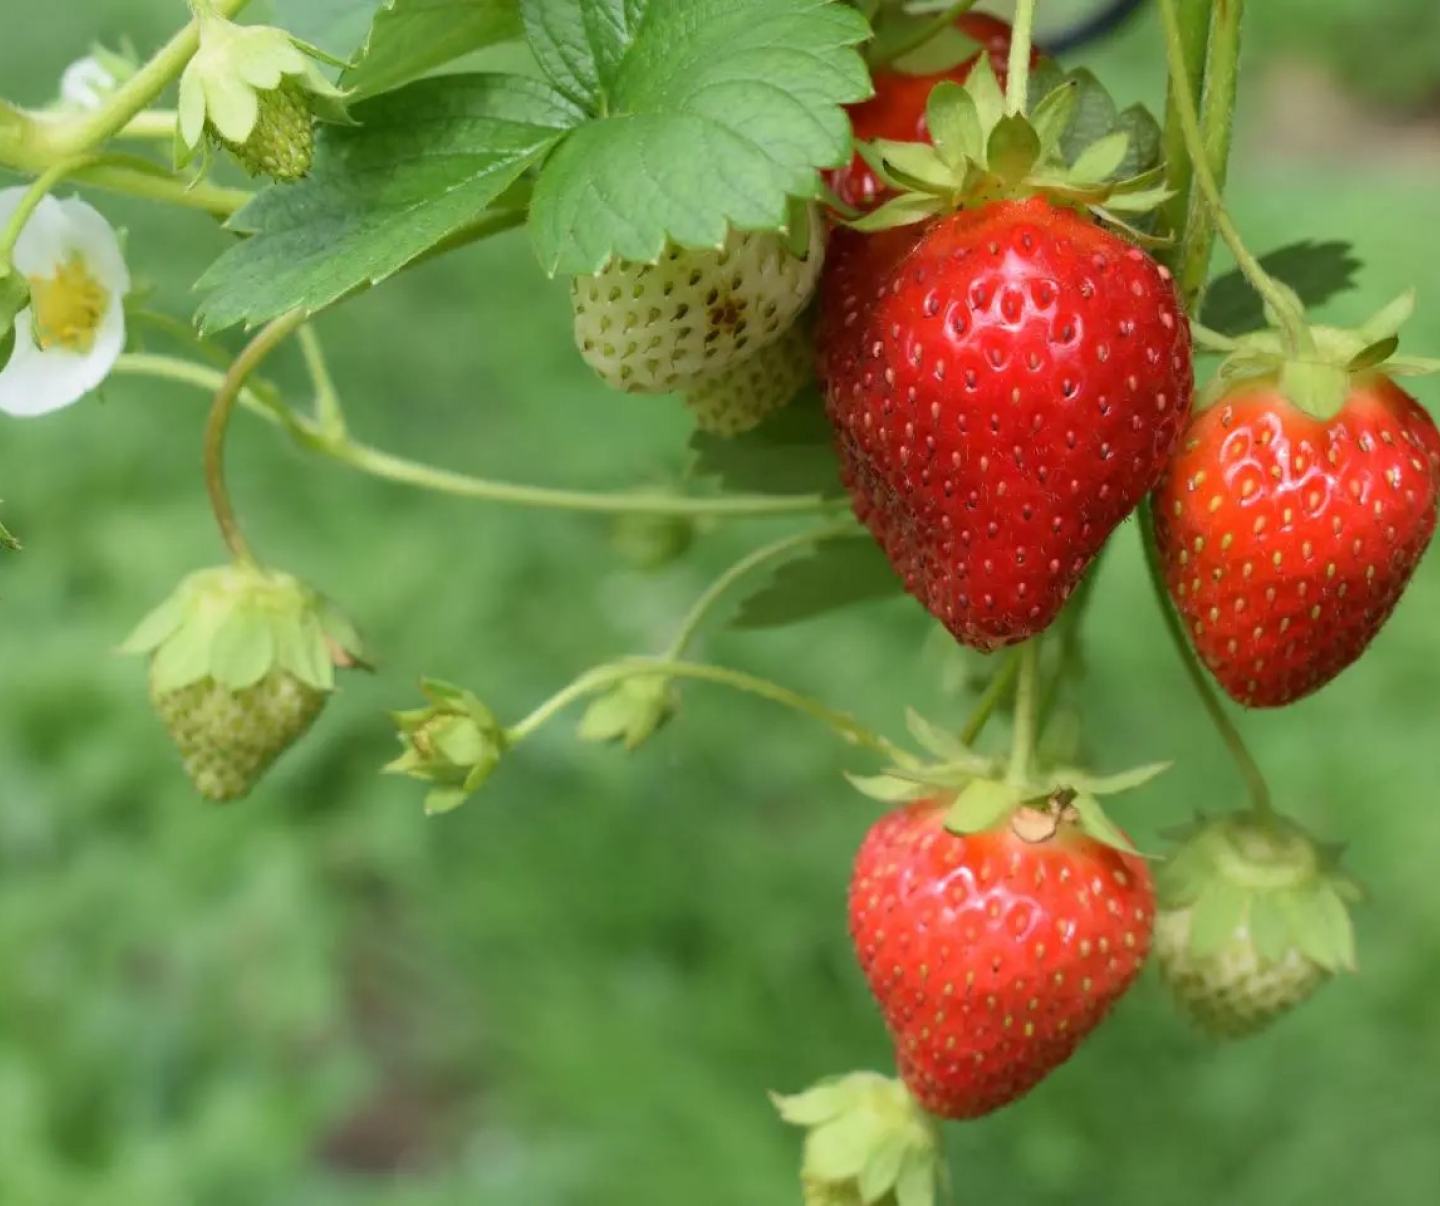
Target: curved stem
(54, 139)
(748, 565)
(39, 189)
(990, 698)
(1027, 699)
(444, 481)
(1017, 85)
(1280, 300)
(219, 422)
(849, 729)
(1249, 769)
(328, 412)
(412, 473)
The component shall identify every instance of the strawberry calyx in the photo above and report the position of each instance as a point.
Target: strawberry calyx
(237, 624)
(1317, 371)
(1038, 805)
(867, 1141)
(1263, 880)
(454, 744)
(982, 152)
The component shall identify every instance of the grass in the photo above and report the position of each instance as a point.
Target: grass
(577, 989)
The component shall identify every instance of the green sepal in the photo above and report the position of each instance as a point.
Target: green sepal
(868, 1141)
(1266, 881)
(980, 153)
(1097, 824)
(981, 805)
(630, 712)
(454, 744)
(8, 542)
(236, 625)
(890, 789)
(937, 742)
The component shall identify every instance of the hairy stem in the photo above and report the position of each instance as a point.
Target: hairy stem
(151, 185)
(444, 481)
(1027, 693)
(1193, 17)
(154, 125)
(1249, 769)
(1017, 86)
(1280, 300)
(748, 564)
(271, 337)
(847, 727)
(996, 690)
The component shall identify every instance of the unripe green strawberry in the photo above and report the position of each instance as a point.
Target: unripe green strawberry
(227, 738)
(1253, 921)
(741, 398)
(242, 662)
(282, 144)
(256, 91)
(663, 327)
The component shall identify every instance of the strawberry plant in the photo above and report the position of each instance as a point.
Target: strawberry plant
(931, 298)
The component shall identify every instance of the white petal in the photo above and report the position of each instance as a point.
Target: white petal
(98, 245)
(36, 382)
(192, 106)
(42, 245)
(86, 83)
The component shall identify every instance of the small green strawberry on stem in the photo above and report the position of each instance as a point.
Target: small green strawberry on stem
(242, 661)
(454, 744)
(696, 313)
(1254, 919)
(256, 91)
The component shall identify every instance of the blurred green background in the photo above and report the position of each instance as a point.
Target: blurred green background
(578, 989)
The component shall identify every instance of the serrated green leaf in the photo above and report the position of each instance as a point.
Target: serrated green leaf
(1269, 927)
(1098, 825)
(1315, 271)
(411, 37)
(838, 573)
(790, 453)
(581, 43)
(981, 805)
(717, 113)
(1012, 148)
(424, 162)
(1216, 916)
(953, 123)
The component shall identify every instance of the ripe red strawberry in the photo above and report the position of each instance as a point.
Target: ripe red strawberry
(1287, 540)
(897, 110)
(993, 954)
(1015, 389)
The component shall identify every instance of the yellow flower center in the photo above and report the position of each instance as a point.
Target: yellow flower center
(67, 307)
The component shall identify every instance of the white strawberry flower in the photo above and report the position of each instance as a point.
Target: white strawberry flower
(73, 330)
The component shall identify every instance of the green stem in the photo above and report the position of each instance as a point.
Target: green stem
(1022, 747)
(996, 690)
(329, 415)
(186, 372)
(151, 185)
(849, 729)
(413, 473)
(1281, 301)
(742, 568)
(1193, 17)
(1217, 119)
(1249, 769)
(269, 338)
(154, 125)
(39, 189)
(1017, 86)
(47, 140)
